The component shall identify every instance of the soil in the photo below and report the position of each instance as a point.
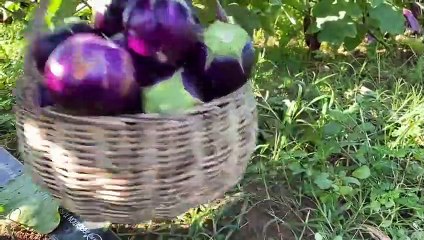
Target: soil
(14, 232)
(274, 219)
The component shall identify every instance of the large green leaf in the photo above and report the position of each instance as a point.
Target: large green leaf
(58, 10)
(244, 17)
(328, 9)
(24, 202)
(336, 31)
(390, 19)
(12, 6)
(205, 10)
(335, 20)
(362, 172)
(351, 43)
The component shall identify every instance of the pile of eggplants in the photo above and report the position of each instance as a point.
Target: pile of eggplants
(142, 56)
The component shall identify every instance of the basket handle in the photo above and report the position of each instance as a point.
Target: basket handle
(221, 15)
(37, 25)
(38, 22)
(26, 91)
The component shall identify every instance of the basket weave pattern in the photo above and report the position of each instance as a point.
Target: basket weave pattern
(135, 168)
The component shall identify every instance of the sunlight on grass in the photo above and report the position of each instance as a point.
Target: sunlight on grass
(11, 42)
(340, 122)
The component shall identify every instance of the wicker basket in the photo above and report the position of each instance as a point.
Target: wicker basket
(133, 168)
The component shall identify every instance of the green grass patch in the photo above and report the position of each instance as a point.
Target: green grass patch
(11, 49)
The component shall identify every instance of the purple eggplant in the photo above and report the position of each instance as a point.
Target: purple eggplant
(163, 29)
(411, 22)
(225, 61)
(108, 16)
(90, 75)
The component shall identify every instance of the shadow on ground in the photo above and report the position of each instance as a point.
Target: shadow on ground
(250, 216)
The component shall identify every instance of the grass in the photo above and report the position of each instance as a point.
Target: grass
(340, 153)
(11, 42)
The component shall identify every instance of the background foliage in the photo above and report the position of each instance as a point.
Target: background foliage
(337, 22)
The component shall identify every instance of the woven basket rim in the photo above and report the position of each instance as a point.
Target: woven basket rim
(202, 108)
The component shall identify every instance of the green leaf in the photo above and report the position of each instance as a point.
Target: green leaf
(351, 43)
(275, 2)
(345, 190)
(58, 10)
(354, 108)
(326, 11)
(225, 39)
(338, 115)
(418, 235)
(375, 206)
(12, 6)
(389, 204)
(168, 96)
(332, 128)
(25, 203)
(362, 172)
(375, 3)
(352, 8)
(327, 148)
(333, 10)
(390, 20)
(296, 168)
(351, 180)
(318, 236)
(247, 19)
(51, 11)
(322, 181)
(386, 223)
(336, 31)
(203, 10)
(367, 127)
(265, 22)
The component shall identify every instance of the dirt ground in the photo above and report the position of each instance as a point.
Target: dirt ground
(14, 232)
(276, 217)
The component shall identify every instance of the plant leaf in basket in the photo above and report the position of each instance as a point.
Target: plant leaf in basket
(23, 202)
(174, 94)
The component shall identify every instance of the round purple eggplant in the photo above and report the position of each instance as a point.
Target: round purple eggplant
(149, 70)
(225, 60)
(163, 29)
(90, 75)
